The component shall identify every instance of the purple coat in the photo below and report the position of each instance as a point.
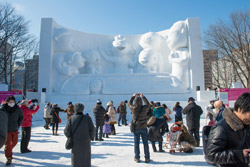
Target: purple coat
(106, 128)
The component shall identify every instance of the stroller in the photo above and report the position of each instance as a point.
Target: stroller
(173, 138)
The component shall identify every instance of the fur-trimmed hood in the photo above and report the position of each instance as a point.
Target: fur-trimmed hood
(232, 120)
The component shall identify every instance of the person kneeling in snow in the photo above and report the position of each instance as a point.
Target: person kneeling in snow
(187, 141)
(179, 135)
(157, 128)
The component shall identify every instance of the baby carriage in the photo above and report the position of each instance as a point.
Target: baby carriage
(173, 138)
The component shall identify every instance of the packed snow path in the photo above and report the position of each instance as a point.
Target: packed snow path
(116, 151)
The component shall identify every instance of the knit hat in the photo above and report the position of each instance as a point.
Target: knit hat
(10, 98)
(191, 99)
(99, 101)
(69, 103)
(79, 107)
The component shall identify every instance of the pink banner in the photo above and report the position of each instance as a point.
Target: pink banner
(234, 93)
(5, 94)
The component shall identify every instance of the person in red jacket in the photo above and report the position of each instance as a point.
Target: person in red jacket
(27, 123)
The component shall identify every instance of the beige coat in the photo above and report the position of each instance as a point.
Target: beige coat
(112, 113)
(47, 111)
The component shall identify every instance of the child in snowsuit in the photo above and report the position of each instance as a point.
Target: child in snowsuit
(106, 127)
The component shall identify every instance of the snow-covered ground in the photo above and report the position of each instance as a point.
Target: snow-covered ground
(116, 151)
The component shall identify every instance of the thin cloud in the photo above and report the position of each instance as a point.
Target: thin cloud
(19, 8)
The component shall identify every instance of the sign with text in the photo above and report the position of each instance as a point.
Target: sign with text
(5, 94)
(231, 94)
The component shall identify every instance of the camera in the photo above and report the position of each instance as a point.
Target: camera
(35, 101)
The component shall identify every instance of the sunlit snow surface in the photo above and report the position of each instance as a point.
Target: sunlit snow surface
(116, 151)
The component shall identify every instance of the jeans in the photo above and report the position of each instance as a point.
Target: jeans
(144, 134)
(100, 133)
(26, 132)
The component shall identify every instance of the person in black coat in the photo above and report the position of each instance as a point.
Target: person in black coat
(3, 128)
(193, 112)
(99, 113)
(81, 150)
(55, 118)
(156, 131)
(15, 119)
(229, 139)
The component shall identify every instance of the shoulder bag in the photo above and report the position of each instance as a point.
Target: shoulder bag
(69, 142)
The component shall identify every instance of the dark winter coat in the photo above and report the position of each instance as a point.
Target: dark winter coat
(178, 111)
(56, 110)
(140, 111)
(99, 113)
(157, 130)
(122, 108)
(193, 112)
(3, 128)
(81, 151)
(224, 142)
(15, 117)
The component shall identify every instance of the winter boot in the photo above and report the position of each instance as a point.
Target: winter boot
(8, 162)
(160, 147)
(137, 160)
(153, 146)
(107, 135)
(147, 160)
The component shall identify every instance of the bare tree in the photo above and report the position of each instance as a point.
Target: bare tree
(15, 40)
(232, 40)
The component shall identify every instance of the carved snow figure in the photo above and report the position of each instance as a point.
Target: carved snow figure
(63, 41)
(153, 43)
(149, 59)
(94, 63)
(66, 66)
(178, 43)
(122, 55)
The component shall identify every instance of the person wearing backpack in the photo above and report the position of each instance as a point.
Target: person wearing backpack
(81, 129)
(229, 139)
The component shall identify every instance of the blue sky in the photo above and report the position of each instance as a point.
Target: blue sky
(124, 16)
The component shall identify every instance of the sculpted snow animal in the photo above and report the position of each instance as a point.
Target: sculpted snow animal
(178, 43)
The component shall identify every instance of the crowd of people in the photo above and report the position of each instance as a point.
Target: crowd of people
(225, 138)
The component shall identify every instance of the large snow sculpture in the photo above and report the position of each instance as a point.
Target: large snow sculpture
(76, 64)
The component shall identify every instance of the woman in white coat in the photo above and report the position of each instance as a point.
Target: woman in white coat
(112, 113)
(47, 116)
